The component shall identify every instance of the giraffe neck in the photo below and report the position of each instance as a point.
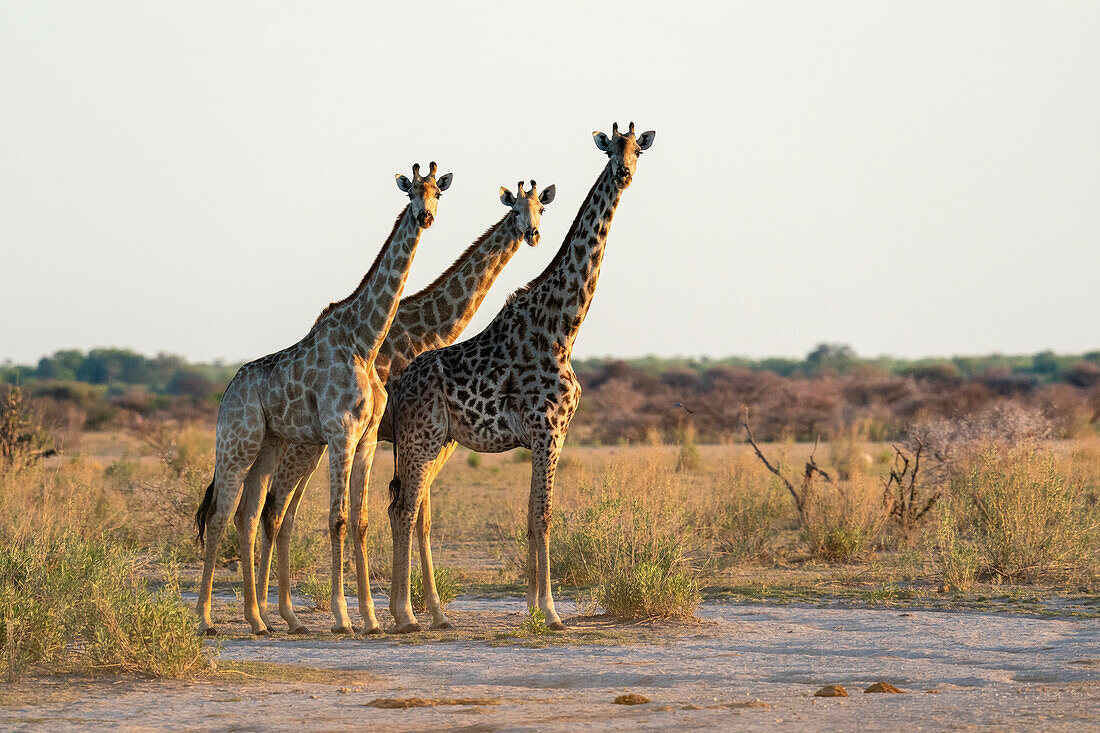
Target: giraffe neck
(565, 289)
(365, 316)
(437, 315)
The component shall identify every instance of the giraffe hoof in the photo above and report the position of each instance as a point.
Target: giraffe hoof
(208, 631)
(299, 630)
(262, 632)
(410, 628)
(374, 631)
(342, 630)
(443, 625)
(556, 626)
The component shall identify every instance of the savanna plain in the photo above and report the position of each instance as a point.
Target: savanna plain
(723, 585)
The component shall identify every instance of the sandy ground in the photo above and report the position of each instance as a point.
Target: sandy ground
(745, 667)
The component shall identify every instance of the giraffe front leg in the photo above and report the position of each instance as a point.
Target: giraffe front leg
(360, 475)
(423, 532)
(340, 460)
(544, 462)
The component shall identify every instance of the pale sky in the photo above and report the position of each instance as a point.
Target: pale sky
(201, 178)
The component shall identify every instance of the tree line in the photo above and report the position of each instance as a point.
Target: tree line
(831, 390)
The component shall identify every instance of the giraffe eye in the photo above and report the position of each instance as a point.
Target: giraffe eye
(542, 209)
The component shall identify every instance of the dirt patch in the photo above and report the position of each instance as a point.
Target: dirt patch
(246, 671)
(397, 703)
(991, 671)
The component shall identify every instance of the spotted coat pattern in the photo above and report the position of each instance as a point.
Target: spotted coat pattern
(323, 390)
(431, 318)
(511, 385)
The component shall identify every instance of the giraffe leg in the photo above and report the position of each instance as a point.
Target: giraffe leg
(247, 520)
(339, 468)
(227, 487)
(360, 475)
(286, 531)
(287, 483)
(423, 537)
(413, 475)
(544, 462)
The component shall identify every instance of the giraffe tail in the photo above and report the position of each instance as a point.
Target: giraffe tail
(267, 515)
(395, 482)
(205, 509)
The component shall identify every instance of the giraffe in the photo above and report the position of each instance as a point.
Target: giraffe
(323, 390)
(511, 385)
(431, 318)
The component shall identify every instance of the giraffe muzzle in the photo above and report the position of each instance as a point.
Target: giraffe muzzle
(623, 177)
(425, 220)
(532, 236)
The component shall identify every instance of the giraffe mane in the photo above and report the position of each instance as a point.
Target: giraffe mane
(563, 250)
(438, 282)
(374, 266)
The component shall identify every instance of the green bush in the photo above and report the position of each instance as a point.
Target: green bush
(649, 590)
(445, 586)
(78, 605)
(473, 459)
(634, 558)
(533, 624)
(1021, 518)
(317, 591)
(589, 545)
(956, 559)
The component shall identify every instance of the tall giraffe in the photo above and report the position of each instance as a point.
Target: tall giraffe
(323, 390)
(511, 385)
(431, 318)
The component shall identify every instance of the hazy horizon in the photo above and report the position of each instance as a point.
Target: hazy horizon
(202, 179)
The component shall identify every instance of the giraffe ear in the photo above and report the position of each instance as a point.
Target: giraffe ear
(403, 183)
(444, 181)
(548, 195)
(646, 139)
(506, 197)
(602, 141)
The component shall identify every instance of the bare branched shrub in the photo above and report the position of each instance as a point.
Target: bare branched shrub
(952, 442)
(803, 494)
(907, 500)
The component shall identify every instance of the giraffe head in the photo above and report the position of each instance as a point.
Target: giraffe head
(527, 209)
(424, 193)
(623, 151)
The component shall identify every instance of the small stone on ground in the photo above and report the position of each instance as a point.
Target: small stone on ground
(831, 691)
(884, 687)
(631, 699)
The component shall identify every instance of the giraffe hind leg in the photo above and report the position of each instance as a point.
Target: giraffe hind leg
(423, 537)
(228, 477)
(247, 519)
